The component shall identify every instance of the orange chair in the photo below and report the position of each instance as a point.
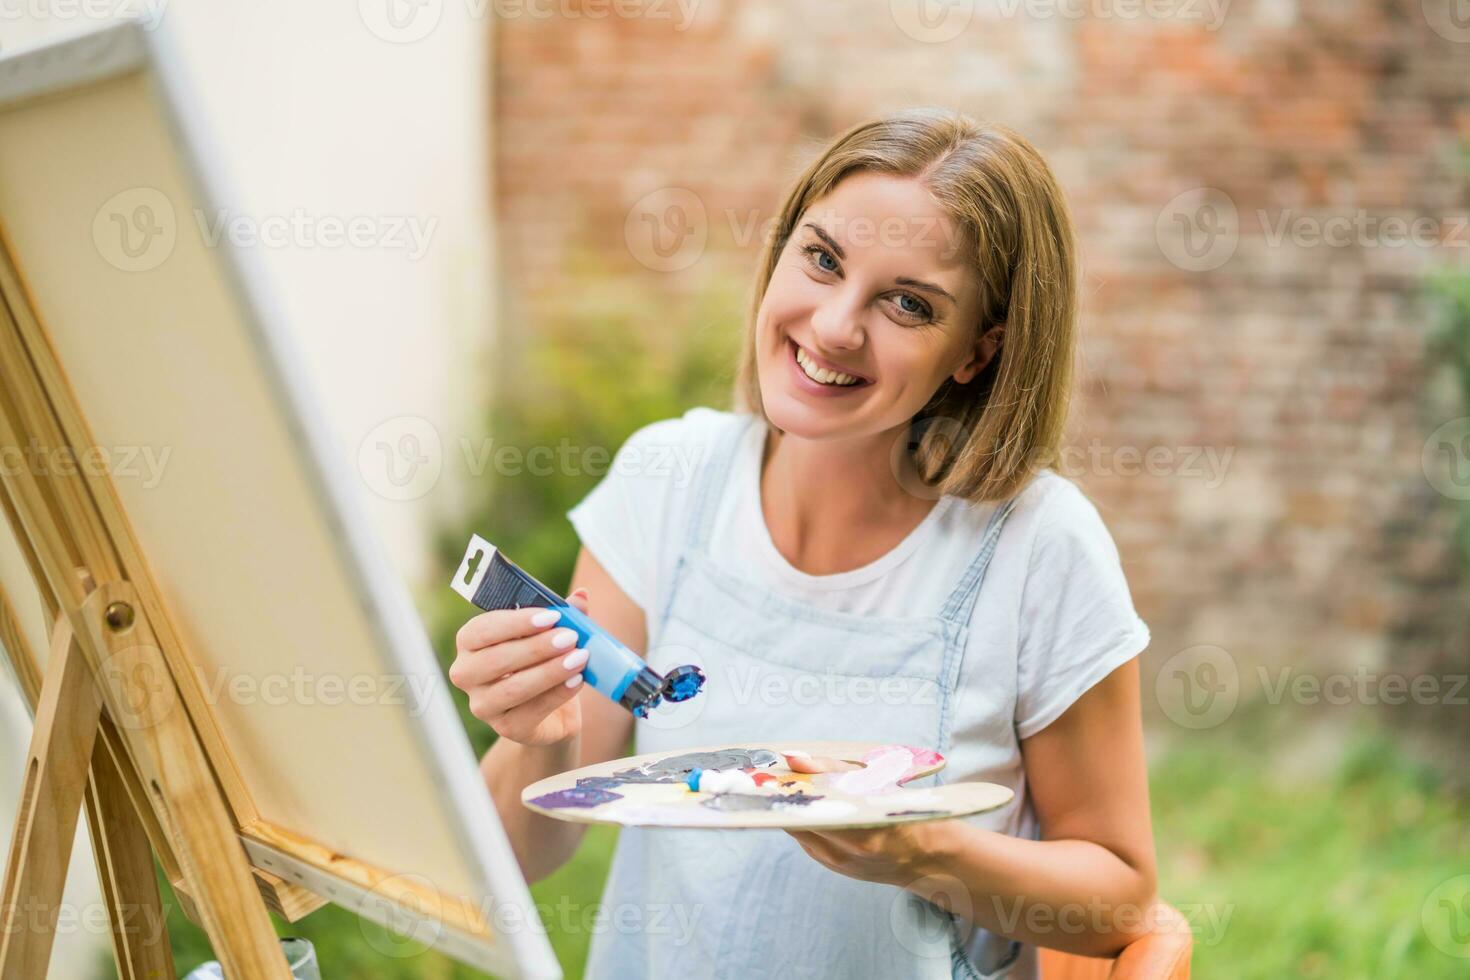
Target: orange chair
(1162, 954)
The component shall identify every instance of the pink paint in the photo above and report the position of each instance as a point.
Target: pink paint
(923, 759)
(885, 768)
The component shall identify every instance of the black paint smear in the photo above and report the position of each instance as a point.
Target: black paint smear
(917, 813)
(581, 796)
(757, 801)
(600, 782)
(676, 768)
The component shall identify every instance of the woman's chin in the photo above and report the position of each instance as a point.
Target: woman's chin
(794, 416)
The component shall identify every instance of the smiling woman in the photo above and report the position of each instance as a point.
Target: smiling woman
(906, 366)
(910, 291)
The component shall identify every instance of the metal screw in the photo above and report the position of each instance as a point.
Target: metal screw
(119, 616)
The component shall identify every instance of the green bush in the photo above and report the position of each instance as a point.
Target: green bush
(1449, 347)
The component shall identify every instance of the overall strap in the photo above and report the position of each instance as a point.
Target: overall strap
(713, 477)
(961, 603)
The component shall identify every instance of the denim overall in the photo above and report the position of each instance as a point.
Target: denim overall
(682, 904)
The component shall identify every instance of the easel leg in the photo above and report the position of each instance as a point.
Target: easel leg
(51, 800)
(144, 703)
(125, 869)
(124, 865)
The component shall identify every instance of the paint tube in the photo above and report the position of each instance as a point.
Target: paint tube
(492, 581)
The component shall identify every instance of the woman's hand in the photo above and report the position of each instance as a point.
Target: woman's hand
(896, 855)
(522, 673)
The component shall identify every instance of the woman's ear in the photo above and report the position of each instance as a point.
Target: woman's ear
(985, 350)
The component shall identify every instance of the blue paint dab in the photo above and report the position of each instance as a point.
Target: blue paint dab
(682, 683)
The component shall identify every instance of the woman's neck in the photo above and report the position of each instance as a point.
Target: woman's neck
(835, 505)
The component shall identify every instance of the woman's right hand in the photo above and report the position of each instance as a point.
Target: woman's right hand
(522, 673)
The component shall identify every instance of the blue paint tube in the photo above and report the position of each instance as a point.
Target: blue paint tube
(492, 581)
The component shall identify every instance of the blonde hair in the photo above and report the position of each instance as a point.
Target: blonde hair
(985, 439)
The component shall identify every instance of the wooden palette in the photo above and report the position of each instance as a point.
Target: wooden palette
(650, 790)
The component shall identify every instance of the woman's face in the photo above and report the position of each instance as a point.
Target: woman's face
(871, 295)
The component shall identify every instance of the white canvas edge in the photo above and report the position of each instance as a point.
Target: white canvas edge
(97, 54)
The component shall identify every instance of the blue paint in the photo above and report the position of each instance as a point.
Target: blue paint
(692, 780)
(682, 683)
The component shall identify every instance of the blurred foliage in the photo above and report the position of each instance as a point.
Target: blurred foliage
(1451, 339)
(1324, 874)
(1450, 346)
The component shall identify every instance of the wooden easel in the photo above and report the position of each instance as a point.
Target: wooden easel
(118, 717)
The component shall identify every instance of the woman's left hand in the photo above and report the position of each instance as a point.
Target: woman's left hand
(895, 855)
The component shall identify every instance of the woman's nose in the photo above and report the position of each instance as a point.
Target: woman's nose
(837, 324)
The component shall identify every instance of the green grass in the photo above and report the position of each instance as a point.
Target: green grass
(1316, 876)
(1324, 875)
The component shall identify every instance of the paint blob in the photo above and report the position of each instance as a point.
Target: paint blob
(758, 801)
(729, 781)
(579, 796)
(881, 772)
(682, 683)
(599, 782)
(676, 768)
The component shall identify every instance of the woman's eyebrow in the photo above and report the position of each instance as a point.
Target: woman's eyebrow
(927, 287)
(831, 242)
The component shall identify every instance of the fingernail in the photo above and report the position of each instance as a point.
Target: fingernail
(562, 639)
(545, 617)
(574, 680)
(575, 659)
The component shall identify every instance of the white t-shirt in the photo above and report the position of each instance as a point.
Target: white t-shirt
(1053, 617)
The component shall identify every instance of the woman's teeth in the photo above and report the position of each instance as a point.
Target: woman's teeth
(822, 375)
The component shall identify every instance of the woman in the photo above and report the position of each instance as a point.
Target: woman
(869, 548)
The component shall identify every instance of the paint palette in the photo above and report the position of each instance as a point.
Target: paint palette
(763, 785)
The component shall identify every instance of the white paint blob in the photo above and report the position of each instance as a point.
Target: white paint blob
(729, 781)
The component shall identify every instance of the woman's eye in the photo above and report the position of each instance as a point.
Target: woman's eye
(816, 253)
(919, 309)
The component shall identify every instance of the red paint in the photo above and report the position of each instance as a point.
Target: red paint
(761, 778)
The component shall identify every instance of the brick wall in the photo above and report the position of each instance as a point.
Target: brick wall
(1312, 535)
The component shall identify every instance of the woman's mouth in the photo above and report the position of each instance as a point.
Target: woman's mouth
(822, 374)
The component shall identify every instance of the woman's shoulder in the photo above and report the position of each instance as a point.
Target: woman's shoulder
(1050, 510)
(682, 442)
(697, 426)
